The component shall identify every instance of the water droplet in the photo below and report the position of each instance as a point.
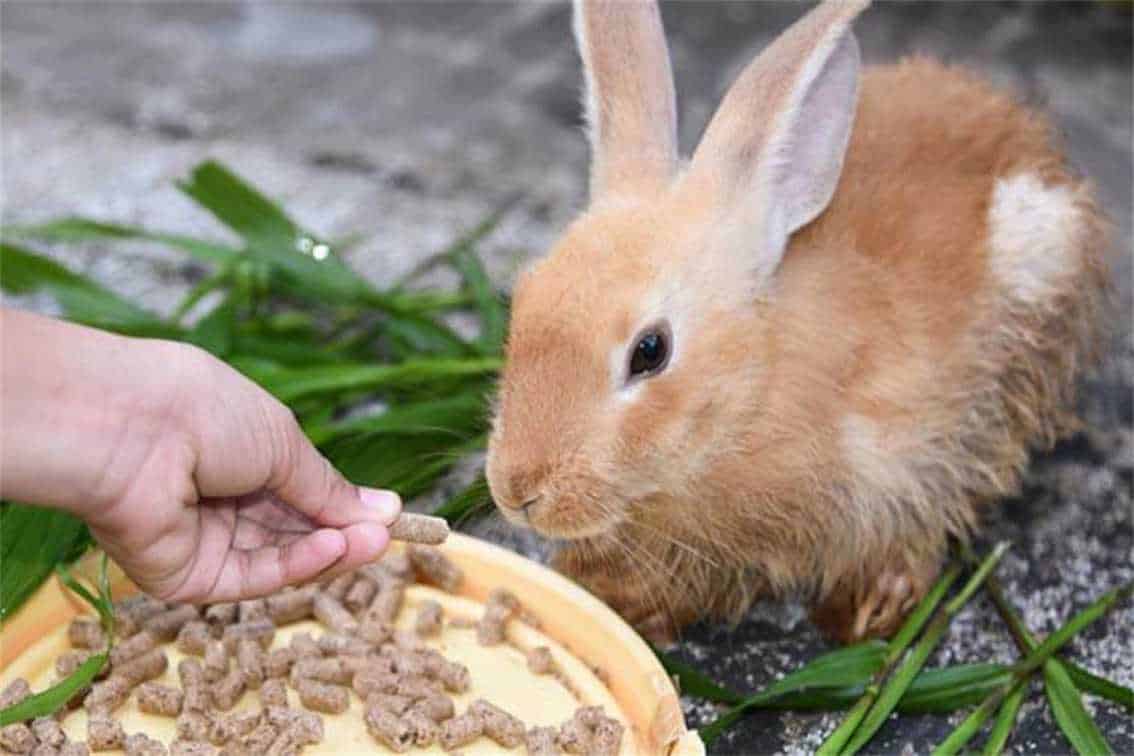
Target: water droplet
(305, 244)
(320, 251)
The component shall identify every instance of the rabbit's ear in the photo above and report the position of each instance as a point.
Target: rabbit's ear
(773, 152)
(629, 100)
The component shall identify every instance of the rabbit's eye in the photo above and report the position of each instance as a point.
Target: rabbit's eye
(650, 353)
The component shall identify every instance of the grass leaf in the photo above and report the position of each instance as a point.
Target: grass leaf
(1005, 723)
(693, 682)
(1067, 706)
(49, 701)
(27, 557)
(75, 229)
(291, 384)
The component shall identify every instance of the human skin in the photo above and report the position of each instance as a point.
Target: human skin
(198, 483)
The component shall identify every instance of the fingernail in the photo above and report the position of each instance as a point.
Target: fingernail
(387, 504)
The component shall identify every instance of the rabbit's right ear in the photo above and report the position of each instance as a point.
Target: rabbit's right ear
(771, 157)
(629, 98)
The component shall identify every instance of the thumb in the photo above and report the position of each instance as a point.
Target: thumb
(304, 479)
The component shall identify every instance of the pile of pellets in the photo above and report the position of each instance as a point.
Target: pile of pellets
(405, 684)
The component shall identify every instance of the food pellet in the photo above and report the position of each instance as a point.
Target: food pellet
(167, 624)
(417, 688)
(145, 667)
(193, 637)
(220, 615)
(306, 728)
(391, 702)
(85, 632)
(105, 734)
(374, 630)
(259, 739)
(47, 730)
(454, 676)
(388, 729)
(291, 606)
(278, 661)
(424, 729)
(499, 725)
(606, 737)
(43, 749)
(437, 707)
(359, 595)
(574, 736)
(66, 664)
(333, 614)
(130, 613)
(253, 610)
(182, 747)
(330, 670)
(273, 693)
(405, 663)
(140, 744)
(228, 690)
(155, 698)
(216, 661)
(397, 563)
(337, 587)
(428, 620)
(305, 645)
(17, 738)
(417, 528)
(228, 727)
(339, 643)
(250, 661)
(540, 661)
(193, 685)
(74, 748)
(140, 643)
(194, 725)
(374, 679)
(433, 567)
(501, 605)
(263, 631)
(283, 745)
(540, 741)
(460, 731)
(329, 699)
(108, 695)
(387, 602)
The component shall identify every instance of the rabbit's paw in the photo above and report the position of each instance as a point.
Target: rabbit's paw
(875, 610)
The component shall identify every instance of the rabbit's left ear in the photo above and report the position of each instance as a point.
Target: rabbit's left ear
(772, 155)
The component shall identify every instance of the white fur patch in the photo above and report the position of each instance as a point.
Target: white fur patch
(1033, 231)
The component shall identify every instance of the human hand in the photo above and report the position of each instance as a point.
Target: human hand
(198, 483)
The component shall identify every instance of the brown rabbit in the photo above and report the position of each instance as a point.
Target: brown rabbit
(805, 359)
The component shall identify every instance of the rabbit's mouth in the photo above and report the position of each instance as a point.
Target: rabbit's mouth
(569, 517)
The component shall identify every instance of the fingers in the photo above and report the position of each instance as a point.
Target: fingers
(303, 478)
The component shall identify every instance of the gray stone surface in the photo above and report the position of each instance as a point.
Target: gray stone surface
(409, 122)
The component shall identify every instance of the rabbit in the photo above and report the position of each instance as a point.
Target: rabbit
(801, 361)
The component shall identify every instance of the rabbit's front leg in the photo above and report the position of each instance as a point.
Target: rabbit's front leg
(874, 607)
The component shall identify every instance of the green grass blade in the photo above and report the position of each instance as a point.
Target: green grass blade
(903, 677)
(81, 299)
(291, 384)
(1067, 706)
(1100, 686)
(75, 229)
(51, 700)
(460, 415)
(473, 499)
(1005, 723)
(489, 305)
(26, 557)
(897, 646)
(694, 682)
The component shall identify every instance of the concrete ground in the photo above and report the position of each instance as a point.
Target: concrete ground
(409, 122)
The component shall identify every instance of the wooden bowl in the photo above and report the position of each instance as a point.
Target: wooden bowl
(580, 623)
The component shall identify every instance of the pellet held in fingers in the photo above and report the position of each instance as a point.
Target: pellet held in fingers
(417, 528)
(460, 731)
(86, 632)
(333, 614)
(155, 698)
(433, 567)
(317, 696)
(166, 625)
(388, 729)
(499, 725)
